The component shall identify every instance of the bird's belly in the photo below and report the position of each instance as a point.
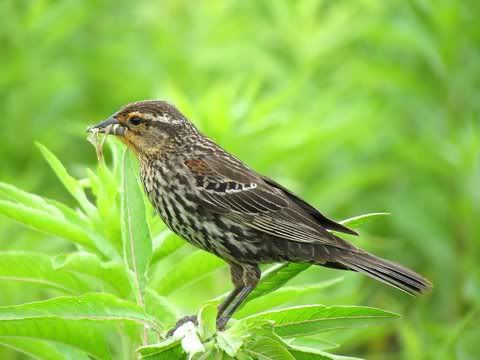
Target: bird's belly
(207, 231)
(185, 220)
(215, 233)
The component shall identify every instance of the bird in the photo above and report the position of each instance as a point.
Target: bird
(219, 204)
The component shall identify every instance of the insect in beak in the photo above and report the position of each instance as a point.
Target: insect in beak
(109, 126)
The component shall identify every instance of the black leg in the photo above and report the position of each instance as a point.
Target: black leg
(221, 309)
(245, 278)
(224, 305)
(230, 310)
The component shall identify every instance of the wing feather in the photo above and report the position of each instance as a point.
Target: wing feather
(227, 187)
(322, 219)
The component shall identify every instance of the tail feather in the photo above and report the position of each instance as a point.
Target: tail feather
(385, 271)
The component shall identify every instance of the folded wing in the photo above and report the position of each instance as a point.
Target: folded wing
(227, 187)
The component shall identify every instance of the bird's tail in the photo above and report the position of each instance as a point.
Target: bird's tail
(380, 269)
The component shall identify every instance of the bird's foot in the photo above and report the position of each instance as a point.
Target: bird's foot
(221, 323)
(182, 321)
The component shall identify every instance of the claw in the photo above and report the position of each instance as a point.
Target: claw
(182, 321)
(221, 323)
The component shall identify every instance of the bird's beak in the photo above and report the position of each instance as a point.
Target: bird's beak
(109, 126)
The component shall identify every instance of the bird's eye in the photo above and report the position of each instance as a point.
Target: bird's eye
(136, 121)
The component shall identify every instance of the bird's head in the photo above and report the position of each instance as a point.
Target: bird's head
(149, 127)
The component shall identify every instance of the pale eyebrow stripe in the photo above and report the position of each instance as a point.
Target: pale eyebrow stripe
(162, 118)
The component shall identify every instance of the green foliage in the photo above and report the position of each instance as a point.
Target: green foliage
(111, 274)
(37, 268)
(283, 295)
(183, 273)
(112, 295)
(262, 336)
(37, 349)
(137, 240)
(357, 106)
(79, 322)
(308, 320)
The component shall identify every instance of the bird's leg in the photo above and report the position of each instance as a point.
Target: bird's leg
(236, 272)
(245, 278)
(230, 310)
(231, 296)
(221, 308)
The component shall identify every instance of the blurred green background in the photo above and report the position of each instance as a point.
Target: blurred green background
(359, 106)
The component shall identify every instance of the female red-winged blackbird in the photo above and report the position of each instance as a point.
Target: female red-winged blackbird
(220, 205)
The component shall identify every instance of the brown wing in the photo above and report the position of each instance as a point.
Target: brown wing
(228, 187)
(322, 219)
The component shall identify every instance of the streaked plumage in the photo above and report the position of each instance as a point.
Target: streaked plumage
(220, 205)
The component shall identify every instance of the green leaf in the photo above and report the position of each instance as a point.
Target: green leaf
(109, 186)
(308, 353)
(76, 217)
(76, 321)
(229, 342)
(312, 319)
(305, 354)
(276, 277)
(215, 354)
(106, 190)
(267, 348)
(11, 193)
(54, 225)
(207, 321)
(37, 268)
(160, 308)
(165, 244)
(46, 222)
(300, 353)
(42, 350)
(314, 349)
(170, 349)
(358, 221)
(282, 296)
(117, 149)
(137, 241)
(242, 329)
(183, 273)
(313, 342)
(111, 273)
(70, 183)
